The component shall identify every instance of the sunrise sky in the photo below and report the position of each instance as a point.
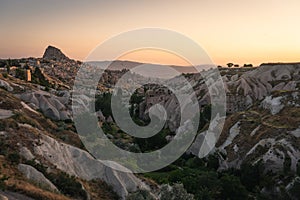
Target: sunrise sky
(239, 31)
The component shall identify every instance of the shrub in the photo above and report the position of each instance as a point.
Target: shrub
(298, 168)
(2, 182)
(13, 157)
(175, 192)
(67, 184)
(232, 188)
(140, 195)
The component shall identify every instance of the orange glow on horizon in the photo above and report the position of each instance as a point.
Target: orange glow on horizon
(154, 56)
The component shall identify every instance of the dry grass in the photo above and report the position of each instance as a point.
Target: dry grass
(98, 189)
(17, 183)
(31, 190)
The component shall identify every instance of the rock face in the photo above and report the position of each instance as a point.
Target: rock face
(53, 53)
(259, 83)
(6, 85)
(5, 114)
(272, 104)
(32, 174)
(52, 106)
(80, 163)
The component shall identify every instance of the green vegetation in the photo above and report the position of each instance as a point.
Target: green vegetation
(14, 157)
(68, 185)
(140, 195)
(200, 178)
(20, 73)
(39, 78)
(103, 103)
(153, 143)
(175, 192)
(2, 182)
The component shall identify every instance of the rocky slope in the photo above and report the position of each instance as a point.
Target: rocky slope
(37, 140)
(262, 124)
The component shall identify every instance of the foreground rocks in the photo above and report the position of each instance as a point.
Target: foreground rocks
(32, 174)
(80, 163)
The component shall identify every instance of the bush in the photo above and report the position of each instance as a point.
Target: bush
(232, 188)
(251, 176)
(67, 184)
(153, 143)
(298, 168)
(2, 182)
(103, 103)
(2, 126)
(213, 162)
(140, 195)
(175, 192)
(13, 157)
(295, 190)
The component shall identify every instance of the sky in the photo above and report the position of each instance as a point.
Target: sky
(238, 31)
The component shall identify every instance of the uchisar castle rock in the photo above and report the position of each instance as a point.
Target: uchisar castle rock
(42, 156)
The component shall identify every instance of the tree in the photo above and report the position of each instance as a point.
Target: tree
(232, 188)
(230, 64)
(251, 175)
(20, 73)
(287, 164)
(248, 65)
(8, 65)
(39, 78)
(103, 103)
(298, 168)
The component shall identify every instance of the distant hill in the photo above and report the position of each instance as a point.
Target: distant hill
(153, 70)
(53, 53)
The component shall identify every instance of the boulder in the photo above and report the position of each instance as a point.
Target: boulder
(5, 114)
(6, 85)
(49, 104)
(32, 174)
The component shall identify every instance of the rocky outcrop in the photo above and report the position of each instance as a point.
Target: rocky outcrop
(272, 104)
(80, 163)
(53, 53)
(6, 85)
(259, 83)
(26, 153)
(37, 177)
(5, 114)
(52, 106)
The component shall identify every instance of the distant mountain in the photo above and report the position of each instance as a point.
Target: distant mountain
(53, 53)
(152, 70)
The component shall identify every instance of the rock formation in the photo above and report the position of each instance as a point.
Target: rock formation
(53, 53)
(52, 106)
(37, 177)
(75, 161)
